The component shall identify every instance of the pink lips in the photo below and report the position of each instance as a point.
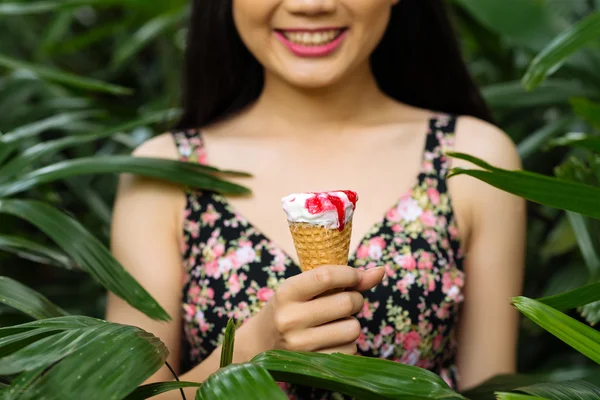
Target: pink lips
(312, 51)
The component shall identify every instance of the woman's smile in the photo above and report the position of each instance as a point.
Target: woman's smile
(312, 42)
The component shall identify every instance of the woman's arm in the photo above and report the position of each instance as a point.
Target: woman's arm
(495, 221)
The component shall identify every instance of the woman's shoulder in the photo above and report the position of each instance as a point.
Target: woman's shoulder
(161, 146)
(486, 141)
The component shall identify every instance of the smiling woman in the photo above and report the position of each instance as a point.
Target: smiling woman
(316, 95)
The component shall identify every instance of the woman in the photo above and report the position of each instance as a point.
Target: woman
(311, 95)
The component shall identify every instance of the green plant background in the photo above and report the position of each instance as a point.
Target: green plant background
(56, 58)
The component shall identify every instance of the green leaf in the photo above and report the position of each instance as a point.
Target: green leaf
(31, 250)
(148, 32)
(591, 312)
(579, 390)
(582, 338)
(40, 6)
(512, 95)
(537, 139)
(228, 344)
(26, 300)
(355, 376)
(516, 396)
(54, 122)
(587, 110)
(524, 21)
(111, 364)
(559, 241)
(49, 350)
(586, 244)
(44, 149)
(87, 251)
(573, 298)
(154, 389)
(555, 54)
(507, 383)
(552, 192)
(580, 140)
(247, 381)
(64, 77)
(184, 173)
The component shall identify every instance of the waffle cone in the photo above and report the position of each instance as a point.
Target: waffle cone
(317, 245)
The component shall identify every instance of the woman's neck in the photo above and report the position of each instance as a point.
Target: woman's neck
(353, 100)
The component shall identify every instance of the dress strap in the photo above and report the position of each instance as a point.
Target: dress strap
(190, 146)
(439, 141)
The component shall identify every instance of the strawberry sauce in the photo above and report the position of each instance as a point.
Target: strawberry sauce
(322, 202)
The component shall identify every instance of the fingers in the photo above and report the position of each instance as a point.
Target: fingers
(323, 310)
(369, 279)
(349, 348)
(310, 284)
(334, 334)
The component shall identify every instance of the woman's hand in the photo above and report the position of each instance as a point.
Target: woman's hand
(300, 318)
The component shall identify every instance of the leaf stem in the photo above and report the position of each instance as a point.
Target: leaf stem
(176, 378)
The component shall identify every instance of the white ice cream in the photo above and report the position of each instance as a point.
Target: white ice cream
(295, 207)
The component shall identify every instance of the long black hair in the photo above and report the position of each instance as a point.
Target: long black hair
(418, 62)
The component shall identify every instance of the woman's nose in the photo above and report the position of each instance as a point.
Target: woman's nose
(310, 7)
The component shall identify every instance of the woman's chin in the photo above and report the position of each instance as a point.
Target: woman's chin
(312, 81)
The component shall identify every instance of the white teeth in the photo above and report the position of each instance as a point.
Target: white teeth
(312, 38)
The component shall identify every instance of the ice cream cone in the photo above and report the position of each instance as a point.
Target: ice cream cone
(317, 245)
(321, 226)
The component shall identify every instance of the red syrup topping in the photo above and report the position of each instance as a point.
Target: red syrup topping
(322, 202)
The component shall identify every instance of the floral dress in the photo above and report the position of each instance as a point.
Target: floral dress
(232, 269)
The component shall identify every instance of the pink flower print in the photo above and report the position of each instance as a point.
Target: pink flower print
(193, 228)
(389, 271)
(431, 283)
(264, 294)
(376, 246)
(279, 267)
(443, 311)
(366, 312)
(362, 343)
(362, 252)
(411, 357)
(194, 292)
(427, 218)
(411, 340)
(394, 215)
(234, 284)
(212, 269)
(218, 250)
(190, 311)
(426, 261)
(409, 263)
(210, 217)
(409, 209)
(437, 342)
(397, 228)
(377, 341)
(225, 264)
(434, 196)
(454, 294)
(387, 330)
(405, 283)
(210, 293)
(386, 350)
(245, 255)
(453, 231)
(399, 339)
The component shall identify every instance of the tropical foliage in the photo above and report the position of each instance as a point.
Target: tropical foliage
(67, 132)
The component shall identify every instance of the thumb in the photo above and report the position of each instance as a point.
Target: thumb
(369, 279)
